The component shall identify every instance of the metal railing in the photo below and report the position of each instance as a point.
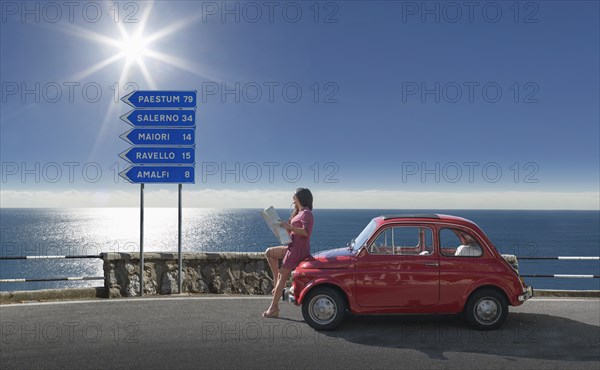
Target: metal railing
(76, 278)
(68, 278)
(562, 258)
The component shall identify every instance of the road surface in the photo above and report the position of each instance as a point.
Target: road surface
(228, 332)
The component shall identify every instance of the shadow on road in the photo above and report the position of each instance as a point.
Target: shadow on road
(524, 335)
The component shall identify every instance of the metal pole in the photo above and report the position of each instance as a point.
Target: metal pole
(141, 239)
(180, 262)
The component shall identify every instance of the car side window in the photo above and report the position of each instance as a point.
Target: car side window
(383, 243)
(403, 240)
(458, 243)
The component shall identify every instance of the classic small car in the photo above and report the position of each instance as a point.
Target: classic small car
(425, 264)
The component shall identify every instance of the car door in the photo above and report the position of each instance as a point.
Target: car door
(398, 268)
(462, 262)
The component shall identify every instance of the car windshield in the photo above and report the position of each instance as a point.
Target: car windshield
(364, 235)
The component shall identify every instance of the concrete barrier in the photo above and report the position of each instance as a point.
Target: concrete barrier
(52, 295)
(566, 293)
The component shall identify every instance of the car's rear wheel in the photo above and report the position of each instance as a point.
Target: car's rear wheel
(324, 308)
(487, 309)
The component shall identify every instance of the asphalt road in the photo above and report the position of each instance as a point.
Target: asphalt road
(228, 332)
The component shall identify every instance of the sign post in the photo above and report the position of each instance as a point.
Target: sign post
(163, 152)
(179, 255)
(141, 239)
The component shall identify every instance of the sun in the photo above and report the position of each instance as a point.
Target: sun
(133, 48)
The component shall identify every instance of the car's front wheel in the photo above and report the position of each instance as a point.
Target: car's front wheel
(324, 308)
(487, 309)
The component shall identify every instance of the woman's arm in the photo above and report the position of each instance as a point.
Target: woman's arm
(296, 230)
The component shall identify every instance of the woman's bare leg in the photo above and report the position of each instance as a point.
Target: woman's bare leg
(284, 274)
(274, 254)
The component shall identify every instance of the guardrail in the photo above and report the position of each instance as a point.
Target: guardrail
(76, 278)
(561, 258)
(50, 257)
(69, 278)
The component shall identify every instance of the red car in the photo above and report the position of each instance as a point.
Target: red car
(410, 264)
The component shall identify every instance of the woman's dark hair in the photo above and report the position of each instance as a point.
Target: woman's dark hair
(305, 197)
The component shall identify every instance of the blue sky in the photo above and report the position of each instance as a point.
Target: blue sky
(511, 118)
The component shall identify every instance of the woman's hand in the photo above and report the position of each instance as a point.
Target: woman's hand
(296, 230)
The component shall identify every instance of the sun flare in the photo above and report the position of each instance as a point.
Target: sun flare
(136, 46)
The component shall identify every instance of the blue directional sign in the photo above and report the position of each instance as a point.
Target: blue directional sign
(160, 118)
(163, 137)
(161, 99)
(160, 136)
(159, 155)
(159, 174)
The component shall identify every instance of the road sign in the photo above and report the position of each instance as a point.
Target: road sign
(159, 155)
(160, 136)
(160, 117)
(161, 99)
(159, 174)
(166, 135)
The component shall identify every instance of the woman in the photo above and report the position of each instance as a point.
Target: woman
(299, 228)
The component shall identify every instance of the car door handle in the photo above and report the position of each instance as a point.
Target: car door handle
(434, 264)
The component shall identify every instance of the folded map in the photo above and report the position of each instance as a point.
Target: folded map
(272, 219)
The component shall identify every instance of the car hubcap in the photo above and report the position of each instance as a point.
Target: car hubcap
(322, 309)
(487, 311)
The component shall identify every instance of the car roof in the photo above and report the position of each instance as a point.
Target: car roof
(436, 217)
(422, 215)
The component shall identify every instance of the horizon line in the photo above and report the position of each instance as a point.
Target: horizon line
(321, 208)
(324, 199)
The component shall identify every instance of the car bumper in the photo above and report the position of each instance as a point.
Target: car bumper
(288, 295)
(528, 293)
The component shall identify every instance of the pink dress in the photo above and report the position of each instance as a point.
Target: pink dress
(299, 249)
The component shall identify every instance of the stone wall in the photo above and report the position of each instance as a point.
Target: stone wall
(241, 273)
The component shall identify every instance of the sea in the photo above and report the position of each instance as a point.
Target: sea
(91, 231)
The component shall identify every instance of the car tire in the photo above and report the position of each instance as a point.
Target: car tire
(324, 308)
(487, 309)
